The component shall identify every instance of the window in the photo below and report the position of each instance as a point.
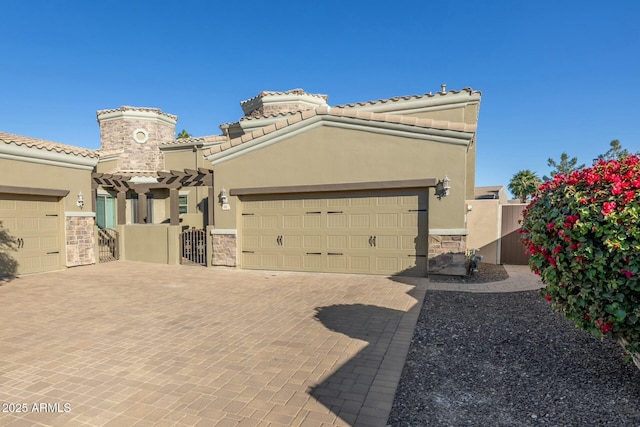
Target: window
(183, 205)
(105, 211)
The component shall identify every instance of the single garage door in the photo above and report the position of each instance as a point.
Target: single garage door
(380, 232)
(34, 222)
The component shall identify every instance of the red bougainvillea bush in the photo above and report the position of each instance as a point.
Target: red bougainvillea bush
(583, 234)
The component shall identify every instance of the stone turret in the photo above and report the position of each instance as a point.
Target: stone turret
(136, 133)
(268, 103)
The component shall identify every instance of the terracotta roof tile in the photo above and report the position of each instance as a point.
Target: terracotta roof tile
(292, 91)
(9, 138)
(344, 112)
(294, 119)
(269, 116)
(269, 129)
(406, 98)
(198, 139)
(129, 108)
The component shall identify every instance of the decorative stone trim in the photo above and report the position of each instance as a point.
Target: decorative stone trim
(447, 254)
(224, 248)
(80, 240)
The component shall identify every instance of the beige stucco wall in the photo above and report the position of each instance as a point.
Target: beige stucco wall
(107, 166)
(151, 243)
(329, 155)
(483, 222)
(27, 174)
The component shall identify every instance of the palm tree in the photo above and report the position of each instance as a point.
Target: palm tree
(183, 134)
(524, 184)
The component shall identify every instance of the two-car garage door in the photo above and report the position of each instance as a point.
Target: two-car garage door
(380, 232)
(30, 234)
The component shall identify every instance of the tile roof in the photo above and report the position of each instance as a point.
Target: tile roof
(269, 116)
(288, 92)
(407, 98)
(9, 138)
(197, 139)
(129, 108)
(342, 112)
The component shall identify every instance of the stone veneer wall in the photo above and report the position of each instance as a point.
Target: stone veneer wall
(447, 254)
(80, 240)
(224, 250)
(118, 134)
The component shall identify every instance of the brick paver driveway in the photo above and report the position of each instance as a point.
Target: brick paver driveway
(134, 344)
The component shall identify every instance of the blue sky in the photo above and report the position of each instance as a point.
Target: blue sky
(555, 75)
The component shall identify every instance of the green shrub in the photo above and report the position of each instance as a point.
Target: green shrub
(583, 236)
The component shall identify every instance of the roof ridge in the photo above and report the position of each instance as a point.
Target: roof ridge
(130, 108)
(268, 116)
(297, 91)
(407, 97)
(10, 138)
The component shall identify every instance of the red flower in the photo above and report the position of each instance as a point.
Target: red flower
(629, 196)
(604, 326)
(557, 249)
(547, 297)
(551, 225)
(608, 207)
(627, 273)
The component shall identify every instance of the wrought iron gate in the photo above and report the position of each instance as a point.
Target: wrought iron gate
(108, 245)
(193, 246)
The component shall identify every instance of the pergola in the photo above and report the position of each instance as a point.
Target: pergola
(172, 180)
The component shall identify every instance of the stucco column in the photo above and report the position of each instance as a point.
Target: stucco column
(121, 200)
(210, 205)
(174, 213)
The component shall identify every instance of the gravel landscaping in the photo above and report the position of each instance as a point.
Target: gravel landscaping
(506, 359)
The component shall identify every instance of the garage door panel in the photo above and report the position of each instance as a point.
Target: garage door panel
(8, 223)
(360, 201)
(250, 222)
(361, 263)
(337, 220)
(387, 201)
(313, 262)
(360, 242)
(269, 241)
(312, 221)
(339, 202)
(414, 244)
(287, 204)
(337, 242)
(312, 242)
(337, 262)
(269, 221)
(292, 261)
(387, 220)
(387, 242)
(291, 242)
(8, 204)
(251, 241)
(313, 203)
(387, 265)
(292, 221)
(360, 221)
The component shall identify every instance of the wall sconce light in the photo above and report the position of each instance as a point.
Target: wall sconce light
(80, 202)
(443, 187)
(223, 197)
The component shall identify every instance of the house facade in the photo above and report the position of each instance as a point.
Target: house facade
(294, 184)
